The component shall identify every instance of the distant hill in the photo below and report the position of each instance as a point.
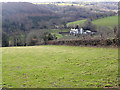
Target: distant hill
(107, 21)
(23, 8)
(24, 16)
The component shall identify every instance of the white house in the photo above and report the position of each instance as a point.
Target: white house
(76, 31)
(80, 31)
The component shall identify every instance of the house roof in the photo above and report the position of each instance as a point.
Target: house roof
(85, 28)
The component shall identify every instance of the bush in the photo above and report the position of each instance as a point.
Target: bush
(90, 42)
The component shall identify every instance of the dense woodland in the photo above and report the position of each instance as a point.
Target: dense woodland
(28, 24)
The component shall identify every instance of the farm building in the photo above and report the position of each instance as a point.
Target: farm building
(81, 30)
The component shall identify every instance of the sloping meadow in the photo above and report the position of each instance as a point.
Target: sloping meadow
(60, 67)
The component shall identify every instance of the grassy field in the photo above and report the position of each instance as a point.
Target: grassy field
(56, 32)
(59, 66)
(52, 31)
(107, 21)
(79, 22)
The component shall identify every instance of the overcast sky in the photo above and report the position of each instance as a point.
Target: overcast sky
(49, 0)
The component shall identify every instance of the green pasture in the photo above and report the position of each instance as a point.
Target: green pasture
(79, 22)
(56, 32)
(59, 67)
(107, 21)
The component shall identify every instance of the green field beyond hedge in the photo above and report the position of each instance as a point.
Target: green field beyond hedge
(59, 66)
(107, 21)
(79, 22)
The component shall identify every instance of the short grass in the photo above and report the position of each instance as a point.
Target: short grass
(53, 31)
(59, 66)
(79, 22)
(107, 21)
(56, 32)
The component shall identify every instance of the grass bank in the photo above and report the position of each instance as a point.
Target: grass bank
(59, 67)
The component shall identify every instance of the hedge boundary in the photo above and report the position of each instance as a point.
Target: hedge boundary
(88, 42)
